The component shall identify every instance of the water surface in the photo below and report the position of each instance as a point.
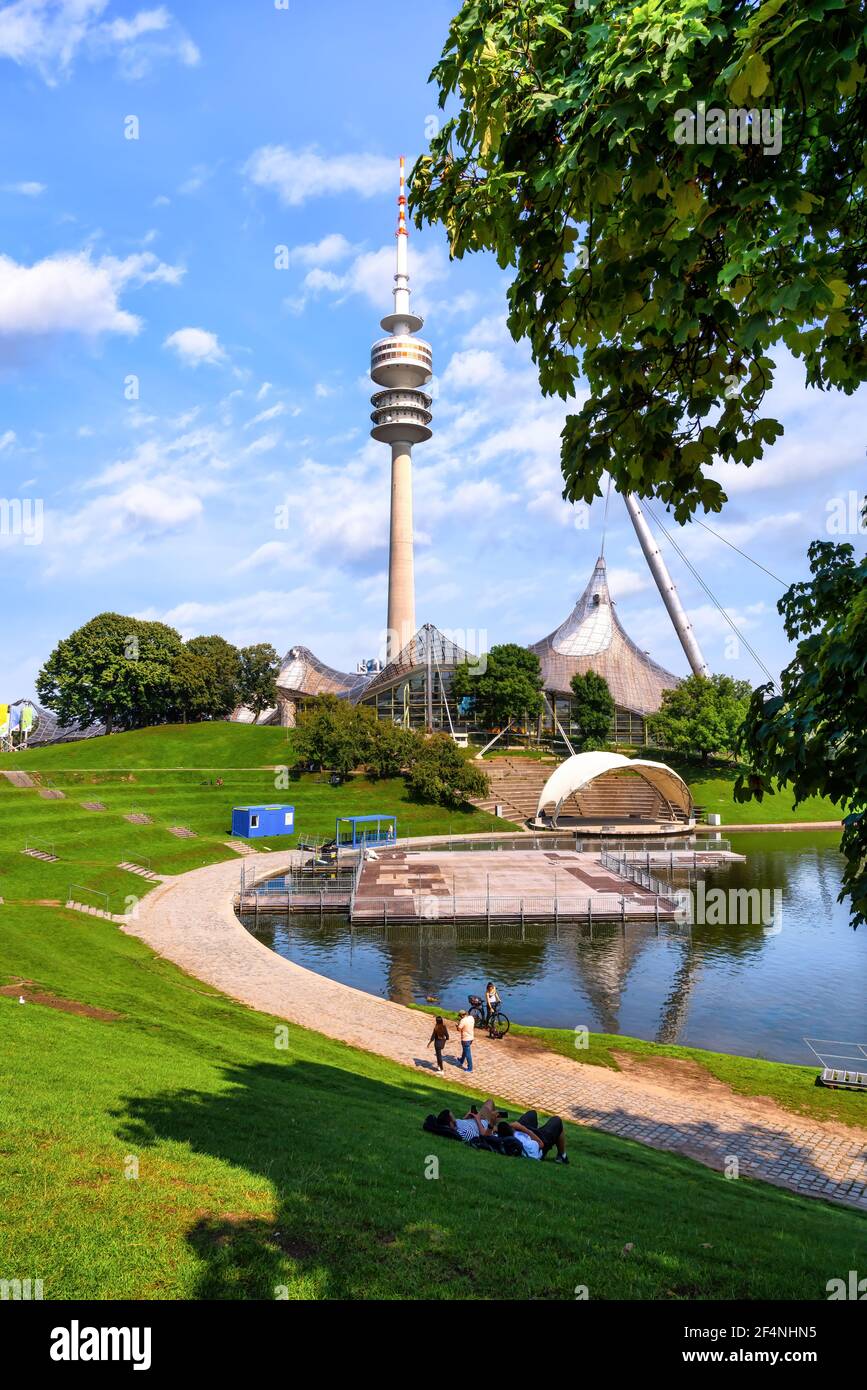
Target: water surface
(747, 989)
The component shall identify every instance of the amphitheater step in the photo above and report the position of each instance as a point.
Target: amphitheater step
(90, 911)
(129, 867)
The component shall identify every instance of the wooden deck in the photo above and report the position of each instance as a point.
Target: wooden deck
(536, 885)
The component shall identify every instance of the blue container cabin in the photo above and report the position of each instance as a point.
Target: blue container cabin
(255, 822)
(354, 832)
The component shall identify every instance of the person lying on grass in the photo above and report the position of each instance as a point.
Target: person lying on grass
(536, 1139)
(475, 1124)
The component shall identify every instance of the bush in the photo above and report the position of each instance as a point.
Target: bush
(445, 774)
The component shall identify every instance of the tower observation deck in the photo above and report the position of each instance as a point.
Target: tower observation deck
(401, 364)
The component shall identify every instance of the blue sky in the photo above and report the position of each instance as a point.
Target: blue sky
(239, 492)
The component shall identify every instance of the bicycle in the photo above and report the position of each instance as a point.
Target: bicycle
(497, 1025)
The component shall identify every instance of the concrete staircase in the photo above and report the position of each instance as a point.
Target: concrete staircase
(516, 784)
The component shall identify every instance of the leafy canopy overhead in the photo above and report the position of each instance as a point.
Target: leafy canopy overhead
(667, 272)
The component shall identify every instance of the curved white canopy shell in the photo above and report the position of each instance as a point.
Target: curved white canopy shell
(581, 769)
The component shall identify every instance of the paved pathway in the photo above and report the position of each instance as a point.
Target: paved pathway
(191, 921)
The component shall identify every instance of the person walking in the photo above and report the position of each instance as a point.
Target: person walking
(466, 1031)
(439, 1037)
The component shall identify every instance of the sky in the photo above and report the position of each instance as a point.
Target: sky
(197, 213)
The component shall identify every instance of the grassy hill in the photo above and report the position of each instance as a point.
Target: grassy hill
(307, 1169)
(191, 746)
(170, 775)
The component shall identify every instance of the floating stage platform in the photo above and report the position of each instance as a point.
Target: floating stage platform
(486, 884)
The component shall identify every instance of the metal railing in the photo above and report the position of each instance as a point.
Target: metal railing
(629, 869)
(427, 907)
(79, 888)
(40, 847)
(662, 846)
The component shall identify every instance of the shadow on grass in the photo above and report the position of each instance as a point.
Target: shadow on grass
(346, 1157)
(356, 1215)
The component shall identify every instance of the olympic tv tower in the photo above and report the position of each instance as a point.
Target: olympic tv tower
(401, 364)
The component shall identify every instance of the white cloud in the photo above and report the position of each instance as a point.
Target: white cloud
(71, 293)
(271, 413)
(116, 525)
(297, 175)
(264, 444)
(195, 346)
(472, 370)
(623, 582)
(249, 617)
(28, 188)
(49, 35)
(330, 249)
(7, 440)
(371, 275)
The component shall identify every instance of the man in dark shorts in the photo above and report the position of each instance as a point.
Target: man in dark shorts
(536, 1139)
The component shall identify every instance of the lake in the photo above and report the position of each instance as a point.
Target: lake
(754, 990)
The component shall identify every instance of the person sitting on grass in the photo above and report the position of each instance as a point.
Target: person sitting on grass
(536, 1139)
(475, 1124)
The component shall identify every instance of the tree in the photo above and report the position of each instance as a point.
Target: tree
(507, 685)
(193, 687)
(114, 670)
(702, 716)
(332, 733)
(811, 736)
(391, 750)
(225, 679)
(668, 233)
(444, 774)
(592, 709)
(259, 668)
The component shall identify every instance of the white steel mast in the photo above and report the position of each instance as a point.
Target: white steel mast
(666, 587)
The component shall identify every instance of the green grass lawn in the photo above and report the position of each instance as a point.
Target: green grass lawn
(218, 746)
(712, 787)
(306, 1168)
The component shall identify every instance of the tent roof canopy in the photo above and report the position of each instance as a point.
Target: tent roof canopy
(593, 638)
(581, 769)
(428, 642)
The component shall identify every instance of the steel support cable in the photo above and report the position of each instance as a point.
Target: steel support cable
(694, 572)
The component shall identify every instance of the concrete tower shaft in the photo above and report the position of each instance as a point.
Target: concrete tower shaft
(401, 364)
